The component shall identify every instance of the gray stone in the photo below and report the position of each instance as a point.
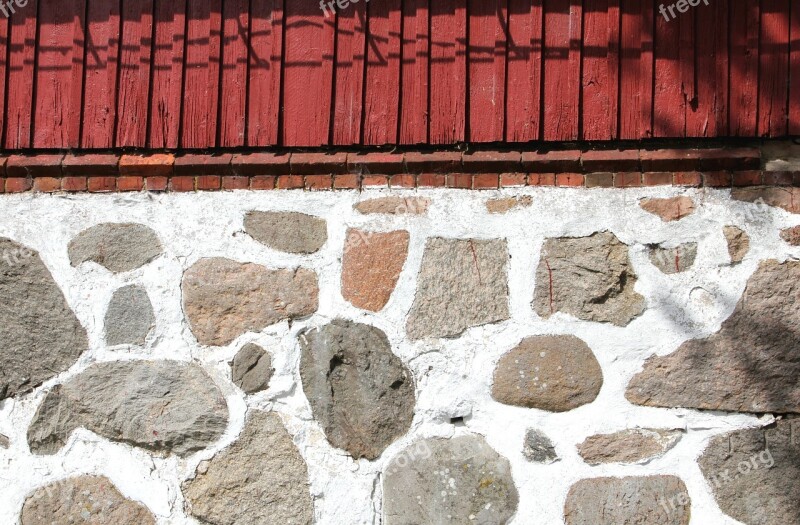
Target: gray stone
(40, 337)
(671, 209)
(129, 317)
(458, 480)
(462, 283)
(637, 445)
(4, 443)
(738, 243)
(224, 299)
(394, 206)
(289, 232)
(780, 197)
(554, 372)
(89, 500)
(360, 392)
(538, 447)
(750, 365)
(252, 369)
(754, 473)
(260, 479)
(674, 260)
(646, 500)
(118, 247)
(590, 278)
(162, 406)
(791, 235)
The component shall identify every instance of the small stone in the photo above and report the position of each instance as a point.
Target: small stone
(555, 373)
(457, 480)
(753, 473)
(371, 266)
(780, 197)
(674, 260)
(40, 337)
(590, 278)
(162, 406)
(117, 247)
(646, 500)
(252, 369)
(738, 243)
(638, 445)
(791, 235)
(462, 284)
(507, 204)
(92, 500)
(224, 299)
(129, 317)
(360, 392)
(4, 442)
(672, 209)
(394, 206)
(538, 448)
(750, 365)
(287, 231)
(260, 479)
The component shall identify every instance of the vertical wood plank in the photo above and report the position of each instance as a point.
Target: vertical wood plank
(350, 56)
(710, 98)
(745, 35)
(308, 74)
(4, 43)
(774, 66)
(562, 62)
(414, 92)
(21, 59)
(794, 79)
(488, 21)
(382, 89)
(167, 90)
(448, 71)
(636, 70)
(266, 50)
(523, 103)
(102, 60)
(600, 83)
(233, 91)
(201, 82)
(134, 75)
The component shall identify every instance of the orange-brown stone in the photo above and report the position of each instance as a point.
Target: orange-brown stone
(371, 266)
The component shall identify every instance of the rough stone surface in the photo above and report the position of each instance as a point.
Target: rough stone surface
(555, 373)
(672, 209)
(287, 231)
(791, 235)
(162, 406)
(754, 473)
(457, 480)
(638, 445)
(224, 299)
(674, 260)
(90, 500)
(650, 500)
(371, 266)
(360, 392)
(780, 197)
(476, 270)
(252, 369)
(117, 247)
(507, 204)
(260, 479)
(129, 317)
(40, 336)
(738, 243)
(590, 278)
(4, 443)
(538, 448)
(394, 206)
(750, 365)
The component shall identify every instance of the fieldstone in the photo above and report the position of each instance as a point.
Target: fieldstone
(750, 365)
(538, 447)
(791, 235)
(4, 443)
(252, 369)
(129, 317)
(224, 299)
(162, 406)
(289, 232)
(90, 500)
(462, 284)
(40, 335)
(260, 479)
(360, 392)
(117, 247)
(590, 278)
(672, 209)
(778, 196)
(371, 266)
(394, 206)
(458, 480)
(555, 372)
(650, 500)
(753, 473)
(738, 243)
(506, 204)
(674, 260)
(637, 445)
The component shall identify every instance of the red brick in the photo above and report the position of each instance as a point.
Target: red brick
(513, 180)
(778, 178)
(375, 180)
(209, 182)
(657, 178)
(18, 184)
(91, 164)
(431, 180)
(3, 162)
(492, 161)
(730, 159)
(130, 183)
(156, 183)
(384, 163)
(318, 182)
(346, 182)
(158, 165)
(403, 181)
(46, 184)
(611, 160)
(564, 161)
(199, 164)
(102, 184)
(628, 179)
(181, 183)
(263, 182)
(717, 179)
(289, 182)
(662, 160)
(260, 164)
(235, 182)
(318, 163)
(433, 162)
(486, 181)
(599, 180)
(73, 183)
(459, 180)
(747, 178)
(571, 180)
(687, 178)
(541, 179)
(34, 166)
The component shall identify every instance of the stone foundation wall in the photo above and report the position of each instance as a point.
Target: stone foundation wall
(534, 355)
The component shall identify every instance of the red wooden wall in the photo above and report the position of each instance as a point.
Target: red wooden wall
(99, 74)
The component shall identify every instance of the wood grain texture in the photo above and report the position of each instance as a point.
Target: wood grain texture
(636, 71)
(4, 42)
(351, 46)
(562, 62)
(794, 72)
(266, 50)
(488, 23)
(102, 60)
(134, 75)
(524, 100)
(773, 119)
(167, 87)
(600, 82)
(745, 34)
(382, 87)
(414, 73)
(448, 56)
(21, 75)
(233, 88)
